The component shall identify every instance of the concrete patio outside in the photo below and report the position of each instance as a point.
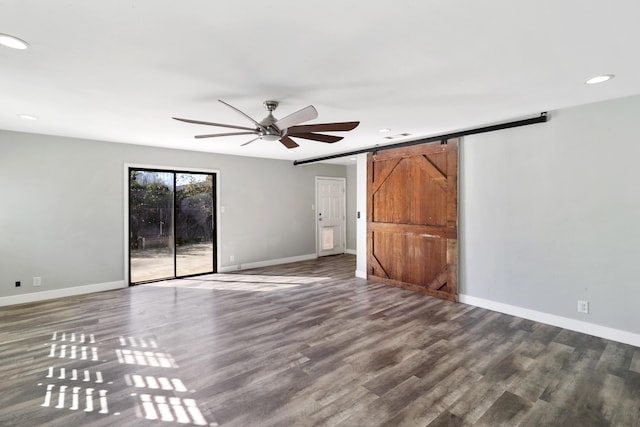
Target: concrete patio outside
(157, 263)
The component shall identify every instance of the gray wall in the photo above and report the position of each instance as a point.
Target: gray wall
(549, 214)
(62, 212)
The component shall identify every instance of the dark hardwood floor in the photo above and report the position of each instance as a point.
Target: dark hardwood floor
(302, 344)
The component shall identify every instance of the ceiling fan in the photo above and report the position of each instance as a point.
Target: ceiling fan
(272, 129)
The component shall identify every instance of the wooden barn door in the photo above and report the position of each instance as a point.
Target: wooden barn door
(412, 224)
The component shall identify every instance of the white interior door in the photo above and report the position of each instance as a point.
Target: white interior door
(330, 216)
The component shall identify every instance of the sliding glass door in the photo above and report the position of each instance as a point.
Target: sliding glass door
(171, 224)
(194, 224)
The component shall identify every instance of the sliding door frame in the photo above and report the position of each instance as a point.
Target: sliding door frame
(165, 168)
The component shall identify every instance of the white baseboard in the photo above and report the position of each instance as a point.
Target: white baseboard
(551, 319)
(361, 274)
(267, 263)
(60, 293)
(351, 252)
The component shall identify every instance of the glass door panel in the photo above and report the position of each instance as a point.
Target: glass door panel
(194, 223)
(151, 215)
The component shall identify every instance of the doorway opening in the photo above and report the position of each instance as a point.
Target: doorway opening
(171, 224)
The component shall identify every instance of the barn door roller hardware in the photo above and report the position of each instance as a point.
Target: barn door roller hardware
(442, 138)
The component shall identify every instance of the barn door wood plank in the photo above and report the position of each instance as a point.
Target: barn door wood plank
(380, 179)
(431, 169)
(452, 189)
(440, 280)
(376, 266)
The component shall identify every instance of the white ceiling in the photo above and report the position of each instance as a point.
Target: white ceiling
(118, 70)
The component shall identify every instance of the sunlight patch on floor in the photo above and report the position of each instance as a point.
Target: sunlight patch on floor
(240, 282)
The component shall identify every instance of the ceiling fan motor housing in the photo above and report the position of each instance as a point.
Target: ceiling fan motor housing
(269, 133)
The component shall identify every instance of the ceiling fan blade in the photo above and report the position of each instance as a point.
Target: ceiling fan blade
(288, 142)
(249, 142)
(213, 135)
(316, 137)
(199, 122)
(243, 114)
(324, 127)
(304, 115)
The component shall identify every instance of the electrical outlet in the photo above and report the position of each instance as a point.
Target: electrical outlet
(232, 258)
(37, 281)
(18, 284)
(583, 306)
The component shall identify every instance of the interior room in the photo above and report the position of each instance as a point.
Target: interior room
(291, 213)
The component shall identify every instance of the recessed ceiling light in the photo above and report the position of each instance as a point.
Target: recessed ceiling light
(352, 159)
(400, 135)
(599, 79)
(12, 42)
(384, 130)
(27, 117)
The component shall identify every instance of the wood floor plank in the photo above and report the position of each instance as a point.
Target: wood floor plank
(508, 409)
(635, 363)
(301, 344)
(432, 404)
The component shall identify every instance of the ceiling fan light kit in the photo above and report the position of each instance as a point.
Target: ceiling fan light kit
(272, 129)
